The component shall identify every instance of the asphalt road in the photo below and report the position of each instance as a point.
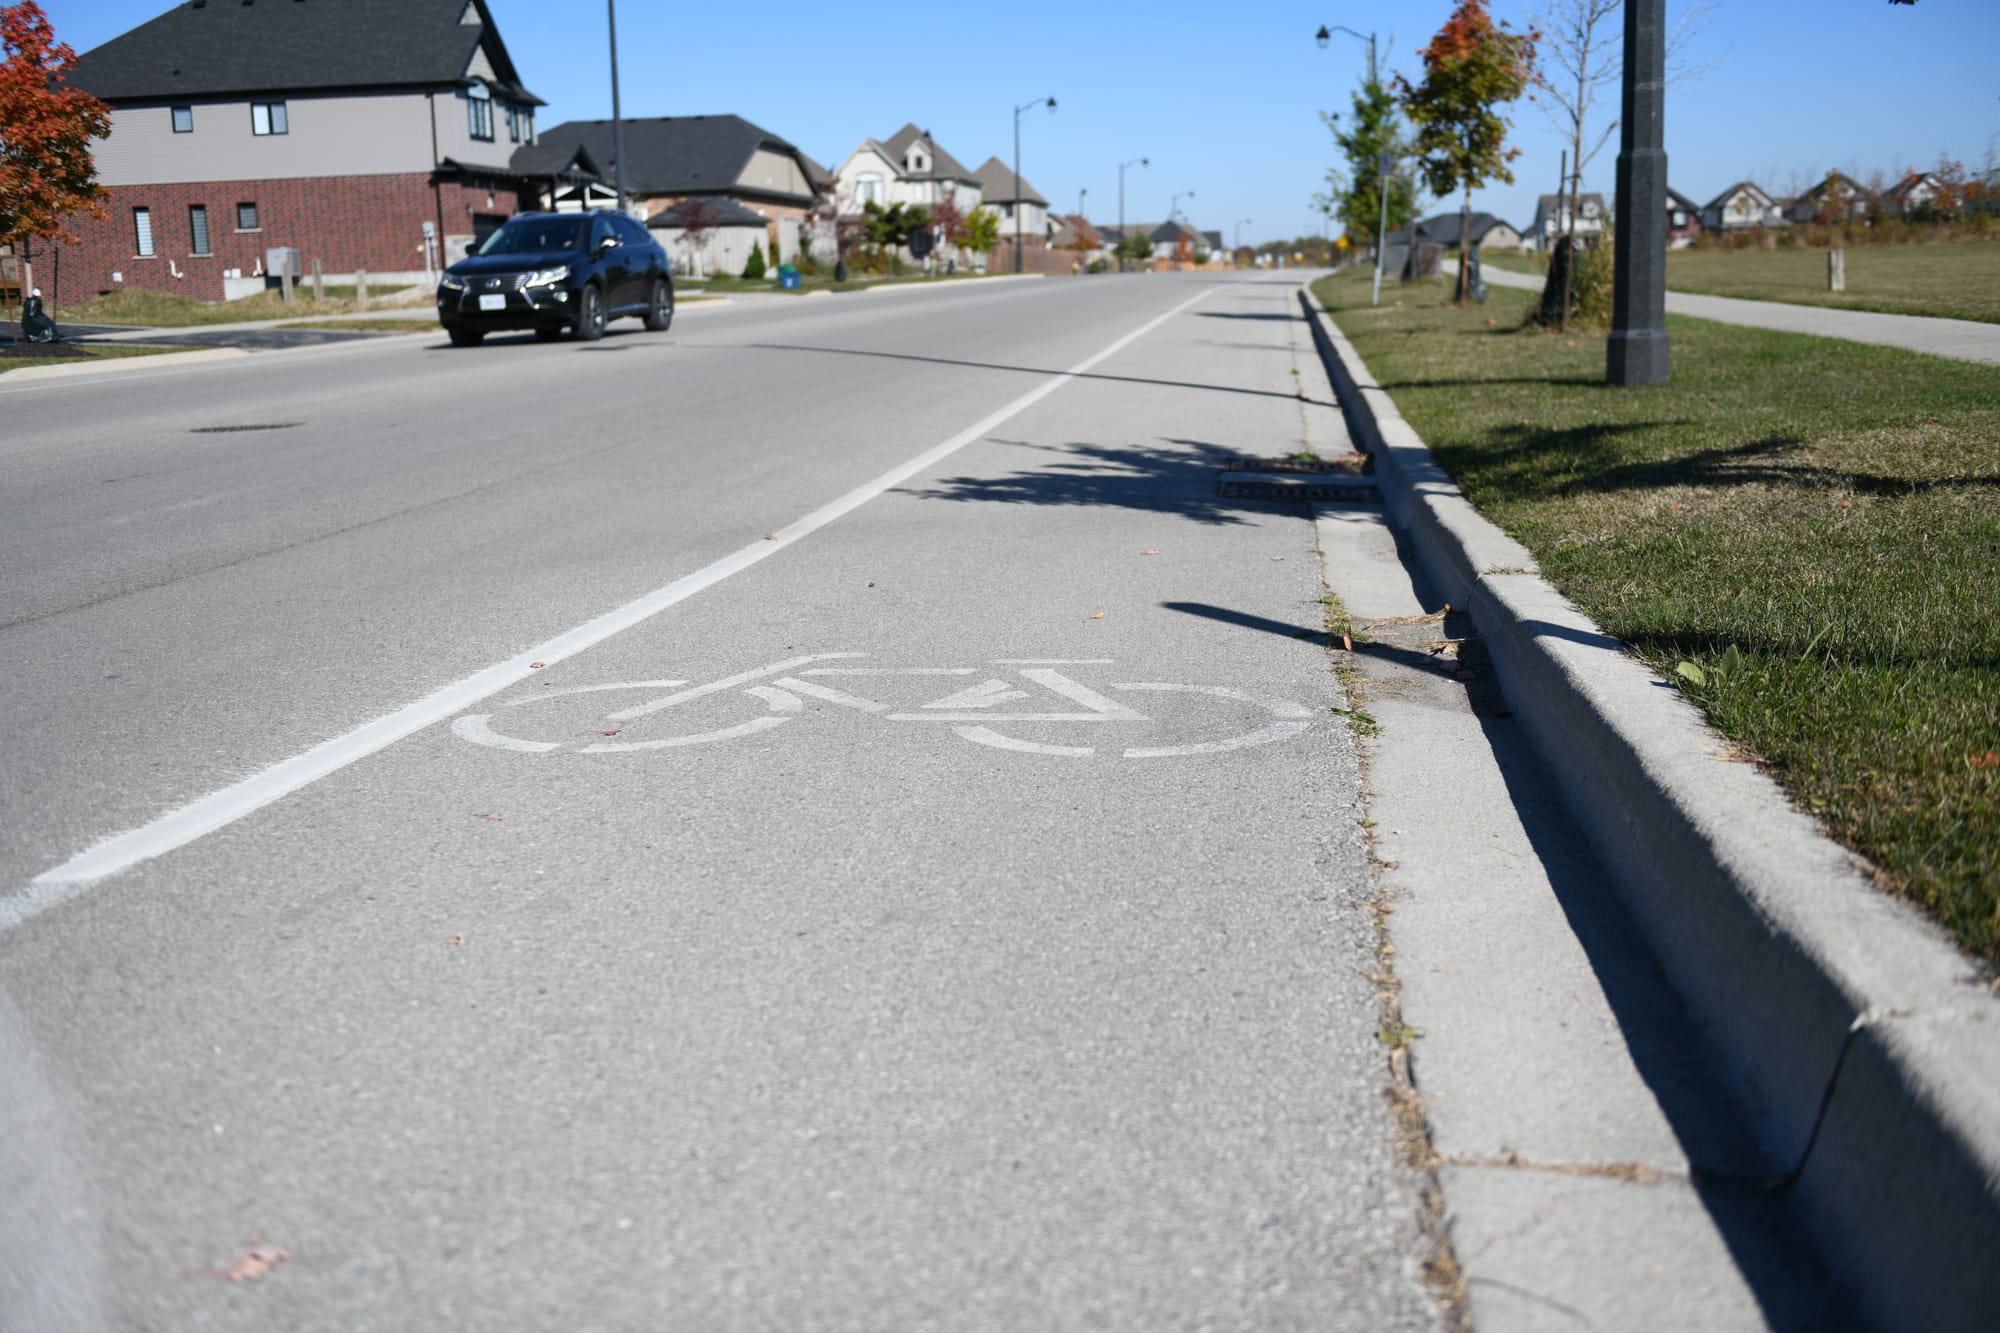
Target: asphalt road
(971, 980)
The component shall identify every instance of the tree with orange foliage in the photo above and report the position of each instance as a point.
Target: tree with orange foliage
(46, 171)
(1471, 67)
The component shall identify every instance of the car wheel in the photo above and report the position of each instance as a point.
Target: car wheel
(466, 337)
(590, 314)
(660, 309)
(546, 333)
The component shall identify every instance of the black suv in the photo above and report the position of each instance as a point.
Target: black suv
(555, 271)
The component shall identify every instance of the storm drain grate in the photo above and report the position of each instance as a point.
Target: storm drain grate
(1305, 492)
(1351, 465)
(254, 425)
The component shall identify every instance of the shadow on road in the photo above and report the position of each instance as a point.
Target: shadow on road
(1177, 480)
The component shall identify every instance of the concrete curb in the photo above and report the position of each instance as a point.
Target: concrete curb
(29, 374)
(1865, 1041)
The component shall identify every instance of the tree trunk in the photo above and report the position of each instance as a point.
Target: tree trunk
(1465, 247)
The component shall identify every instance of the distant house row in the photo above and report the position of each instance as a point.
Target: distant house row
(1741, 207)
(392, 136)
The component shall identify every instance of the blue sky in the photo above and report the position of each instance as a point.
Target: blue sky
(1225, 100)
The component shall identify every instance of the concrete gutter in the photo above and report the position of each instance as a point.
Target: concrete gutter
(1867, 1044)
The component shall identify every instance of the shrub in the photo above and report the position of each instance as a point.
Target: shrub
(754, 266)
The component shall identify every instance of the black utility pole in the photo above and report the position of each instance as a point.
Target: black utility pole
(617, 122)
(1637, 350)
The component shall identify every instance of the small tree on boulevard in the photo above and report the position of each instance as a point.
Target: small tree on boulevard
(1354, 192)
(46, 129)
(1471, 67)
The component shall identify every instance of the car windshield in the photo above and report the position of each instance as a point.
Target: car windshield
(537, 236)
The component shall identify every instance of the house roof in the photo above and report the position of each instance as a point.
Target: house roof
(999, 185)
(721, 213)
(1724, 197)
(665, 154)
(207, 48)
(943, 164)
(1833, 179)
(1675, 199)
(1443, 229)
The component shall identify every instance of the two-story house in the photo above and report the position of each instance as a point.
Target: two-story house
(1024, 218)
(909, 167)
(1552, 219)
(1740, 207)
(737, 167)
(366, 134)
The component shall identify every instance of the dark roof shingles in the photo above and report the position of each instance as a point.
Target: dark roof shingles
(227, 46)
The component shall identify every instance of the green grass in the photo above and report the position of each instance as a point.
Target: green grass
(1829, 511)
(166, 310)
(370, 325)
(1959, 280)
(94, 352)
(1955, 280)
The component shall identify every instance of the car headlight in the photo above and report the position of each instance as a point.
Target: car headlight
(546, 276)
(451, 282)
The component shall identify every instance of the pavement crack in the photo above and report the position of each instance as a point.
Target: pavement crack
(1548, 1302)
(1637, 1173)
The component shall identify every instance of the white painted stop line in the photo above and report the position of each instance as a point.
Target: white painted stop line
(219, 809)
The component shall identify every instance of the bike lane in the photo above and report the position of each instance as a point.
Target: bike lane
(888, 1006)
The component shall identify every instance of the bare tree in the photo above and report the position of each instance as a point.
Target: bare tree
(1582, 46)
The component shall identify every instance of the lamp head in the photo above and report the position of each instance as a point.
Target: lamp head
(1052, 104)
(1322, 37)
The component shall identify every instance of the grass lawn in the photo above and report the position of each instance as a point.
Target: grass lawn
(166, 310)
(1957, 280)
(94, 352)
(370, 325)
(1828, 511)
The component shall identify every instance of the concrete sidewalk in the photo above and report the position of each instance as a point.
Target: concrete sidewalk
(1960, 339)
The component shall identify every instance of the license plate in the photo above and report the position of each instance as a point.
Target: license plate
(492, 303)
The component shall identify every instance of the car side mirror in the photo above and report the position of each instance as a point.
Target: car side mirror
(608, 243)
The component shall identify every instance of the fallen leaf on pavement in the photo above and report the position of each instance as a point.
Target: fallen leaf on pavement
(770, 536)
(1277, 557)
(248, 1266)
(1430, 619)
(1098, 616)
(458, 939)
(1149, 553)
(535, 666)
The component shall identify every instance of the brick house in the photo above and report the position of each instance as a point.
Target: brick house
(726, 160)
(366, 134)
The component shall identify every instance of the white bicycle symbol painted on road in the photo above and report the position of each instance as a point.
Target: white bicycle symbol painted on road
(971, 711)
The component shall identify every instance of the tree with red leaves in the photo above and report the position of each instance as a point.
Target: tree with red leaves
(1471, 67)
(46, 129)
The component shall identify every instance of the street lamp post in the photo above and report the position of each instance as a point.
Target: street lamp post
(1382, 161)
(617, 120)
(1239, 237)
(1636, 352)
(1137, 161)
(1019, 190)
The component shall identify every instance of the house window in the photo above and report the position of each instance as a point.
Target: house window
(142, 230)
(183, 120)
(198, 228)
(868, 188)
(515, 120)
(268, 118)
(479, 112)
(246, 217)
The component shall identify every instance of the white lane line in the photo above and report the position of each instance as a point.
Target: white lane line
(219, 809)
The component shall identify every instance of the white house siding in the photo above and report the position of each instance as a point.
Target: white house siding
(1502, 237)
(326, 136)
